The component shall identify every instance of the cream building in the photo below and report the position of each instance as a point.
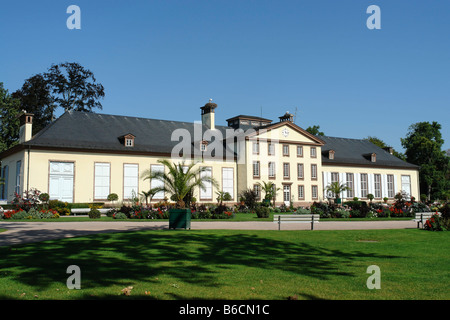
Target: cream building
(83, 157)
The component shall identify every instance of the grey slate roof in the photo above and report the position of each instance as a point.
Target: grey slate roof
(357, 151)
(101, 132)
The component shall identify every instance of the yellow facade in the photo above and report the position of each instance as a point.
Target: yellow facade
(283, 153)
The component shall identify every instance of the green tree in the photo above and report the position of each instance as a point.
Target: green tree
(315, 130)
(146, 195)
(35, 97)
(380, 143)
(73, 87)
(423, 145)
(336, 188)
(223, 196)
(9, 121)
(179, 180)
(269, 190)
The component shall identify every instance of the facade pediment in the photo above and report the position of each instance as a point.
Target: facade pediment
(285, 132)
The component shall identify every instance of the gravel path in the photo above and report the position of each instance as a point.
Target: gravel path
(26, 232)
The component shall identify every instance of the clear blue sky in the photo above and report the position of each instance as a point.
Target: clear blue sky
(165, 59)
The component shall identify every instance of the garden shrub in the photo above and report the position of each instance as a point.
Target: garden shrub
(341, 213)
(360, 208)
(201, 215)
(250, 198)
(445, 211)
(119, 215)
(262, 212)
(61, 207)
(436, 223)
(222, 215)
(22, 214)
(303, 211)
(94, 213)
(322, 209)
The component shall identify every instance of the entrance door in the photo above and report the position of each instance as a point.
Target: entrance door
(61, 181)
(287, 195)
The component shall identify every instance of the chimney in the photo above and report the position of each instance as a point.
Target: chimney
(26, 126)
(208, 115)
(389, 149)
(287, 117)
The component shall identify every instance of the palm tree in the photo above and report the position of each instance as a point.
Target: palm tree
(179, 180)
(336, 188)
(149, 194)
(269, 189)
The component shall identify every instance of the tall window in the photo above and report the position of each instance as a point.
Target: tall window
(255, 147)
(130, 180)
(377, 185)
(299, 151)
(271, 149)
(350, 184)
(286, 193)
(285, 149)
(4, 186)
(255, 169)
(274, 188)
(206, 194)
(286, 173)
(390, 185)
(334, 177)
(406, 185)
(315, 192)
(364, 185)
(271, 169)
(313, 152)
(301, 192)
(101, 180)
(18, 176)
(300, 171)
(257, 189)
(157, 183)
(314, 171)
(228, 181)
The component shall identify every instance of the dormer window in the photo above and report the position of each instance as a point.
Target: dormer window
(331, 155)
(203, 145)
(127, 140)
(373, 157)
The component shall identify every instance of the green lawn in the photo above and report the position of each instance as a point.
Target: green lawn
(232, 264)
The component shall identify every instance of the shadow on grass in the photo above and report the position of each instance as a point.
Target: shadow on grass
(189, 257)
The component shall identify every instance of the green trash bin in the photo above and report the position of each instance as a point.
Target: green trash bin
(180, 219)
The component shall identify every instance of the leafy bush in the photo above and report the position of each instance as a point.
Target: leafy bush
(201, 215)
(419, 207)
(262, 212)
(119, 215)
(303, 211)
(112, 197)
(19, 215)
(94, 213)
(61, 207)
(436, 223)
(249, 197)
(341, 213)
(322, 209)
(222, 215)
(360, 208)
(445, 211)
(42, 214)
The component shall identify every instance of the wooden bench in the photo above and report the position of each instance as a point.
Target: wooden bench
(422, 217)
(296, 218)
(82, 211)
